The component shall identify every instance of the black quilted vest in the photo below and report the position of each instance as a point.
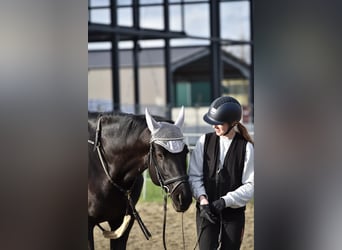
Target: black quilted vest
(229, 178)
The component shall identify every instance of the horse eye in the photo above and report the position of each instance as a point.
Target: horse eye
(160, 155)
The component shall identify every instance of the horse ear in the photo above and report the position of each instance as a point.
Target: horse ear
(151, 123)
(180, 120)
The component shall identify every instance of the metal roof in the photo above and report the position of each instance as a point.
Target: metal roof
(148, 57)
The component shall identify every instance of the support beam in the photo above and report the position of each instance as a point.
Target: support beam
(251, 79)
(115, 59)
(136, 49)
(215, 49)
(103, 31)
(167, 59)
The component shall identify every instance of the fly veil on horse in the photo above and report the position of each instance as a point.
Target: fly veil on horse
(120, 148)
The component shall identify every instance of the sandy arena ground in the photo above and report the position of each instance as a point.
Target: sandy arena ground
(152, 215)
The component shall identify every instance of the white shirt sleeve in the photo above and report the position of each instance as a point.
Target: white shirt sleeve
(243, 194)
(196, 169)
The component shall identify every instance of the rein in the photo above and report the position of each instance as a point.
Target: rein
(103, 164)
(127, 193)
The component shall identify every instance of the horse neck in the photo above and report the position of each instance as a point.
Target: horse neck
(134, 159)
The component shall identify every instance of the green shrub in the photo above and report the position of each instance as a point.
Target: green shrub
(153, 193)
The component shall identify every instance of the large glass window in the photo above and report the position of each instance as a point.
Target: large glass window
(192, 94)
(238, 88)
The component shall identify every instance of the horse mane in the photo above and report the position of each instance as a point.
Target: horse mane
(129, 123)
(107, 115)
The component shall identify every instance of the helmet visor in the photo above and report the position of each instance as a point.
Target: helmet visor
(210, 120)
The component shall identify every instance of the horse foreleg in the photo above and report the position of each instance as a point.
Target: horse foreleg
(90, 237)
(121, 242)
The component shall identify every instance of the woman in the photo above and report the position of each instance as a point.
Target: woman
(221, 175)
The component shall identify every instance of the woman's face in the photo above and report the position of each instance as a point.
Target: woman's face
(221, 129)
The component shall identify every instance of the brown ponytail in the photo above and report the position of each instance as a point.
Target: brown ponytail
(244, 132)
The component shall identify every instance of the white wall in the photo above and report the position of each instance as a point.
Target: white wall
(152, 85)
(99, 84)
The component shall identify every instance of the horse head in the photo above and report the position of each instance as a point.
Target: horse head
(168, 158)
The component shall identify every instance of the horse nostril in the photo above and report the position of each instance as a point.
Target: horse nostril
(180, 199)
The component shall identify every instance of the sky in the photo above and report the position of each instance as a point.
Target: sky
(234, 23)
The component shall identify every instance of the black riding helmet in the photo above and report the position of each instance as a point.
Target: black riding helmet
(223, 109)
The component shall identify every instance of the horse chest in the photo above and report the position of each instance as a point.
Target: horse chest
(107, 205)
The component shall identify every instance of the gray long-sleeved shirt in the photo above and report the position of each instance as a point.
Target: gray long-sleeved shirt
(233, 199)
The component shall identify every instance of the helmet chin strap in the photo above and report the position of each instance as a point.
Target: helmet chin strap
(230, 128)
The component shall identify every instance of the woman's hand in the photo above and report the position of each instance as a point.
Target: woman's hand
(207, 214)
(218, 205)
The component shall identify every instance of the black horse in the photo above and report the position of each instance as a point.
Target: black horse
(120, 148)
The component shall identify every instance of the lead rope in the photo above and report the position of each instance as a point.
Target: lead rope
(200, 233)
(183, 232)
(220, 234)
(164, 223)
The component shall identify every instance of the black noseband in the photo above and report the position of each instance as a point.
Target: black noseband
(178, 180)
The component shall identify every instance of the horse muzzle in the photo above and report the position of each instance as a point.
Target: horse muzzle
(181, 196)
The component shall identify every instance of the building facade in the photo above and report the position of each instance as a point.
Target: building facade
(190, 73)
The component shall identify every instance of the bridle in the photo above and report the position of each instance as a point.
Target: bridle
(164, 183)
